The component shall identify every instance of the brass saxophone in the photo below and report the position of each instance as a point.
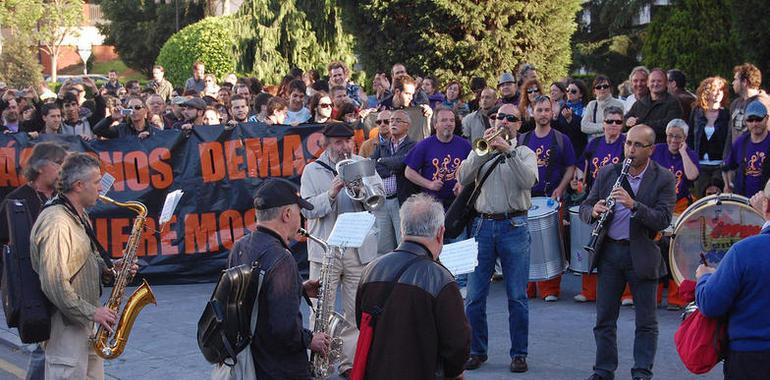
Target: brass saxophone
(105, 346)
(326, 319)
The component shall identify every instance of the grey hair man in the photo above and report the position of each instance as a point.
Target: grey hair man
(422, 329)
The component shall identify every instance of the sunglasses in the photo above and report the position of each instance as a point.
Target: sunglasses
(532, 90)
(510, 118)
(616, 122)
(573, 91)
(601, 87)
(754, 119)
(383, 121)
(136, 107)
(637, 145)
(325, 105)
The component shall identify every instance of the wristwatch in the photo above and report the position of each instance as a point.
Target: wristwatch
(635, 207)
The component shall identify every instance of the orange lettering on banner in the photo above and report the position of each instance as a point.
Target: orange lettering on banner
(167, 237)
(149, 245)
(118, 236)
(262, 157)
(137, 170)
(113, 164)
(8, 175)
(314, 144)
(23, 157)
(200, 233)
(250, 219)
(165, 174)
(230, 227)
(293, 156)
(234, 159)
(212, 161)
(358, 138)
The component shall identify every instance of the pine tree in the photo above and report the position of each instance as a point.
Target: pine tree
(751, 30)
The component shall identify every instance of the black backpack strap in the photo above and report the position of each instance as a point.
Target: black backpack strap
(477, 190)
(325, 165)
(60, 199)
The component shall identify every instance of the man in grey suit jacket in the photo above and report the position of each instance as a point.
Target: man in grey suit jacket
(629, 252)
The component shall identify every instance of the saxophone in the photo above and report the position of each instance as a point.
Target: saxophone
(326, 319)
(105, 346)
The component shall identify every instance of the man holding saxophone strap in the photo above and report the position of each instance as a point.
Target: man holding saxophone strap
(280, 342)
(325, 190)
(501, 232)
(629, 253)
(70, 270)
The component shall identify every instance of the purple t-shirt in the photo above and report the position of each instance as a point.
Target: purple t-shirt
(752, 158)
(551, 163)
(598, 153)
(434, 159)
(673, 162)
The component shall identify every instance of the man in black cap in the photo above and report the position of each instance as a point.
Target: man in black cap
(323, 188)
(192, 113)
(280, 343)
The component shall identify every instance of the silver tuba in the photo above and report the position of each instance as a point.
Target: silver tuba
(362, 182)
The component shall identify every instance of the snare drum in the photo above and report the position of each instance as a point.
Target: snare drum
(710, 226)
(579, 234)
(546, 251)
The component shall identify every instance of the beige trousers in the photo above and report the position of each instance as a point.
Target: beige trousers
(345, 273)
(68, 353)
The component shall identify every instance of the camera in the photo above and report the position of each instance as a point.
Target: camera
(126, 111)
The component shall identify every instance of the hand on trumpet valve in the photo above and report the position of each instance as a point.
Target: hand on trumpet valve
(337, 185)
(496, 140)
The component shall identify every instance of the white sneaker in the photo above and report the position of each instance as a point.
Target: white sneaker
(551, 298)
(464, 291)
(627, 302)
(580, 298)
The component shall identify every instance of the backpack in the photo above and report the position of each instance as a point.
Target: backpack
(557, 140)
(25, 305)
(701, 341)
(224, 328)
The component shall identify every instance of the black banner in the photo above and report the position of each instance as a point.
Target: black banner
(216, 168)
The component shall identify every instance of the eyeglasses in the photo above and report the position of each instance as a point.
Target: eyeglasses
(675, 137)
(136, 107)
(510, 118)
(754, 119)
(616, 122)
(393, 121)
(325, 105)
(601, 86)
(637, 144)
(573, 91)
(532, 90)
(383, 121)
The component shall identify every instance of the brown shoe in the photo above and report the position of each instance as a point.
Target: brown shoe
(474, 362)
(519, 364)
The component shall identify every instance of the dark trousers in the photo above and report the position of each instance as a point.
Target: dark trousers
(615, 269)
(747, 365)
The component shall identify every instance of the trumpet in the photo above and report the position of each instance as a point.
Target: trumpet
(481, 145)
(362, 183)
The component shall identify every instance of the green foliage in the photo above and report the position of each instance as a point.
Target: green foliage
(19, 67)
(20, 17)
(139, 28)
(274, 36)
(751, 30)
(460, 39)
(209, 40)
(692, 36)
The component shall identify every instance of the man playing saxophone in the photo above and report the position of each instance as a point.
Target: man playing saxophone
(642, 207)
(64, 255)
(280, 343)
(324, 189)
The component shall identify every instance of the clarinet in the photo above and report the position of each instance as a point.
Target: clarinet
(610, 202)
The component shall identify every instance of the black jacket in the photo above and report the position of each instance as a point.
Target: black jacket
(657, 113)
(388, 164)
(697, 140)
(280, 342)
(422, 329)
(123, 129)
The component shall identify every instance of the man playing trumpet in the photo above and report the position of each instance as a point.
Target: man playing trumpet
(501, 231)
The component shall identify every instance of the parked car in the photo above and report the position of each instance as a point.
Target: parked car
(77, 78)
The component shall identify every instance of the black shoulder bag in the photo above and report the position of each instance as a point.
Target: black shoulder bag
(462, 210)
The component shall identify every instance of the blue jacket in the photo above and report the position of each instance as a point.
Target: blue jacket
(740, 289)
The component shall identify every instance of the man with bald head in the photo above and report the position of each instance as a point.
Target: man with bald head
(628, 252)
(475, 123)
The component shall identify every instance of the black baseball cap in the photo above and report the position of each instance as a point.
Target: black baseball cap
(338, 130)
(276, 192)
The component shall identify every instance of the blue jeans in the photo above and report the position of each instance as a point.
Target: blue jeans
(508, 240)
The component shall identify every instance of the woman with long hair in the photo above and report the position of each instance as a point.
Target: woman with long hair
(709, 121)
(530, 90)
(571, 114)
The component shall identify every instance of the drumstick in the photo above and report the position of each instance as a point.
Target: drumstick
(703, 259)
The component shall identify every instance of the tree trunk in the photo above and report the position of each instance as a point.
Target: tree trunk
(54, 63)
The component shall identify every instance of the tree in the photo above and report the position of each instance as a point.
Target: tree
(61, 20)
(139, 28)
(19, 66)
(751, 30)
(692, 36)
(460, 39)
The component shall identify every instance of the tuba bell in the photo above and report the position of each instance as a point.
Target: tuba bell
(362, 182)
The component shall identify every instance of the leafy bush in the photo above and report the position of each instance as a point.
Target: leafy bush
(210, 41)
(19, 67)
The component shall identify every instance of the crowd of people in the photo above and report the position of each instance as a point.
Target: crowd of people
(562, 140)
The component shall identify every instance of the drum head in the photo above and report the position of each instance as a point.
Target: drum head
(542, 206)
(710, 226)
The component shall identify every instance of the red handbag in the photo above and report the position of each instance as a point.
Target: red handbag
(701, 341)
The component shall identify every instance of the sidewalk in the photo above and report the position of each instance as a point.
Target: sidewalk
(163, 342)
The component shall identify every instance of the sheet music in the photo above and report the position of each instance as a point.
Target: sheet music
(460, 257)
(106, 182)
(351, 229)
(172, 199)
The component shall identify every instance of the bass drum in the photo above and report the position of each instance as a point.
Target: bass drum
(710, 226)
(546, 251)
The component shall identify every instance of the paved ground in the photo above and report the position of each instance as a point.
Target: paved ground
(561, 345)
